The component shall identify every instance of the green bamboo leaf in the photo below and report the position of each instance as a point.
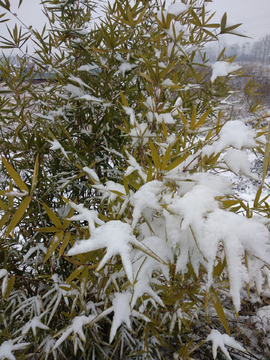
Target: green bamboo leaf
(53, 217)
(220, 311)
(53, 245)
(15, 176)
(155, 155)
(10, 285)
(18, 215)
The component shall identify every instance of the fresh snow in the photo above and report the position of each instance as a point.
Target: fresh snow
(223, 68)
(177, 8)
(220, 340)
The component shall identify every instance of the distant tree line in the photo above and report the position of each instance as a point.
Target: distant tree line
(258, 51)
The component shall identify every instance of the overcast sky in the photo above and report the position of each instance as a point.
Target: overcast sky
(254, 14)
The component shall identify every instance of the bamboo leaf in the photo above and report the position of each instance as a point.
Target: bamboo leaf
(147, 77)
(75, 274)
(18, 215)
(155, 155)
(35, 176)
(10, 285)
(15, 176)
(223, 22)
(3, 205)
(64, 244)
(149, 174)
(166, 158)
(53, 217)
(220, 311)
(53, 245)
(48, 229)
(193, 118)
(4, 219)
(177, 162)
(202, 119)
(124, 100)
(266, 160)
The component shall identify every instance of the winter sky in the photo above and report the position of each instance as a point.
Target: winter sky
(254, 14)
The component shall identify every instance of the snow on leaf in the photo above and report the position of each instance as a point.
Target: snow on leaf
(122, 312)
(33, 324)
(85, 214)
(3, 272)
(7, 347)
(116, 237)
(134, 166)
(145, 265)
(108, 188)
(56, 145)
(238, 162)
(220, 340)
(146, 197)
(223, 68)
(124, 67)
(177, 8)
(129, 111)
(91, 173)
(76, 327)
(233, 133)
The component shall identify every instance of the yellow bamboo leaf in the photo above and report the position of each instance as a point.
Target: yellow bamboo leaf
(229, 203)
(155, 155)
(64, 243)
(4, 219)
(202, 119)
(67, 222)
(220, 311)
(35, 176)
(11, 198)
(10, 285)
(147, 77)
(3, 205)
(184, 120)
(124, 100)
(177, 162)
(84, 279)
(193, 118)
(166, 158)
(73, 261)
(165, 133)
(48, 229)
(53, 245)
(15, 176)
(75, 274)
(18, 215)
(266, 160)
(53, 217)
(149, 174)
